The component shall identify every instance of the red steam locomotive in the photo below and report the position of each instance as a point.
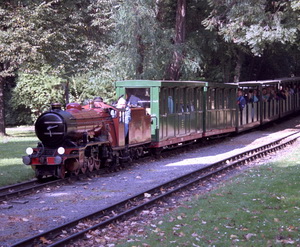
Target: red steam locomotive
(84, 138)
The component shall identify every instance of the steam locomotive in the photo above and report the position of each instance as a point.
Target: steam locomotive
(163, 115)
(81, 139)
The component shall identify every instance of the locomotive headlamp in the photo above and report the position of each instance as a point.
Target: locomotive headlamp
(61, 150)
(29, 151)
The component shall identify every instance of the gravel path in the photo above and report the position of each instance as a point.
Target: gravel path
(51, 207)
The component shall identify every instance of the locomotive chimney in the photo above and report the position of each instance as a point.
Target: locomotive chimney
(56, 106)
(91, 104)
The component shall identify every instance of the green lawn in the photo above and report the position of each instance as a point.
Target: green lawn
(12, 148)
(260, 207)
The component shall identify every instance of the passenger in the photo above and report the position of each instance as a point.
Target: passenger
(241, 101)
(287, 91)
(98, 102)
(251, 98)
(281, 95)
(255, 96)
(295, 89)
(170, 104)
(265, 95)
(273, 95)
(191, 107)
(134, 100)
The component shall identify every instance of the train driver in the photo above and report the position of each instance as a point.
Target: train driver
(98, 102)
(125, 116)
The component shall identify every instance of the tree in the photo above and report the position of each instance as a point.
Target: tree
(65, 34)
(180, 34)
(141, 46)
(46, 88)
(145, 44)
(257, 25)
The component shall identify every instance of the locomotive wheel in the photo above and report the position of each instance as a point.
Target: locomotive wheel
(38, 175)
(134, 153)
(91, 164)
(97, 164)
(61, 171)
(84, 167)
(76, 172)
(140, 152)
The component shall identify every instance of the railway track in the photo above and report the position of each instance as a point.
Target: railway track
(74, 230)
(28, 187)
(20, 189)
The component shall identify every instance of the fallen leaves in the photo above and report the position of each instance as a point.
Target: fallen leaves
(45, 241)
(249, 236)
(147, 195)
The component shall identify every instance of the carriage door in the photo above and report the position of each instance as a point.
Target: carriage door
(180, 111)
(166, 107)
(199, 106)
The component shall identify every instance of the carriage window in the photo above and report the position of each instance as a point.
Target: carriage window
(180, 100)
(199, 98)
(226, 96)
(162, 101)
(170, 100)
(167, 101)
(190, 104)
(219, 98)
(138, 97)
(211, 98)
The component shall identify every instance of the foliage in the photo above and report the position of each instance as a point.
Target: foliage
(36, 91)
(86, 86)
(14, 117)
(63, 34)
(256, 24)
(137, 37)
(145, 34)
(66, 35)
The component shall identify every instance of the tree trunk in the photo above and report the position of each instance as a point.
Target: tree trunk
(238, 67)
(141, 53)
(2, 112)
(176, 63)
(67, 92)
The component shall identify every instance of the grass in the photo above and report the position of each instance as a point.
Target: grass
(12, 148)
(260, 207)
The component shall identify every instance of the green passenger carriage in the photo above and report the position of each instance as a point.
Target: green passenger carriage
(277, 99)
(184, 111)
(221, 107)
(176, 108)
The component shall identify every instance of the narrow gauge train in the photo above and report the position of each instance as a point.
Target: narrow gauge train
(164, 115)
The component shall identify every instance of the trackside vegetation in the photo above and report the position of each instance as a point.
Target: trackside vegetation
(260, 207)
(12, 148)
